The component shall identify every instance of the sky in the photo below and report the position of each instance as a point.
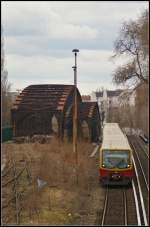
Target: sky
(39, 38)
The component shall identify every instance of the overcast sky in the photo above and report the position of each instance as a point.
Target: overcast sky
(39, 38)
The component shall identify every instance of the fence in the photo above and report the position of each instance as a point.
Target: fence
(7, 133)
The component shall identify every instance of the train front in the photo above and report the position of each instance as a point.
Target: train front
(116, 167)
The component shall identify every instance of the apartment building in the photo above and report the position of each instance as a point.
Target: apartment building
(106, 99)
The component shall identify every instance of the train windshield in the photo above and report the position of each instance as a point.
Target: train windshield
(115, 159)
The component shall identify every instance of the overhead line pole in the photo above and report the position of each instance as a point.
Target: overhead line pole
(75, 111)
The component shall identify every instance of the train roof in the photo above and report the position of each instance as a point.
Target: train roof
(113, 138)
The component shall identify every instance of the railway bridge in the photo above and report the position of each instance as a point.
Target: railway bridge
(48, 109)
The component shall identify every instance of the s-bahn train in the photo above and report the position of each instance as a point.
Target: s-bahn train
(115, 157)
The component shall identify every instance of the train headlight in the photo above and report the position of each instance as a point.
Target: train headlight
(128, 165)
(103, 165)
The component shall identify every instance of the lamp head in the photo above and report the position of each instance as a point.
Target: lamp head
(75, 50)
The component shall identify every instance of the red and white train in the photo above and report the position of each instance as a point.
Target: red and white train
(116, 165)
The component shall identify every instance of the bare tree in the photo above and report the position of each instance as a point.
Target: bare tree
(133, 42)
(5, 86)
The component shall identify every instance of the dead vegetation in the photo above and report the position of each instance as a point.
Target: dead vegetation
(61, 201)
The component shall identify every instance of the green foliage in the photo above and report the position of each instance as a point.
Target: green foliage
(7, 134)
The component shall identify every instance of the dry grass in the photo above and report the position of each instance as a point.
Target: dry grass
(55, 164)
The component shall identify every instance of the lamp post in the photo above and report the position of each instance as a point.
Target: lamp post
(75, 112)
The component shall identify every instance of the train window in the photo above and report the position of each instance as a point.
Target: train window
(115, 159)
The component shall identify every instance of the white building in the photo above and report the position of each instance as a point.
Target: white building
(112, 99)
(106, 99)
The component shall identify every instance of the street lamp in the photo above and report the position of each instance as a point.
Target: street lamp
(75, 51)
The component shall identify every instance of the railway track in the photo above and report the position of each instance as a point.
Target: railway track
(114, 208)
(142, 145)
(129, 205)
(141, 178)
(141, 159)
(120, 209)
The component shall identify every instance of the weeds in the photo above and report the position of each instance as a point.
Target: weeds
(55, 164)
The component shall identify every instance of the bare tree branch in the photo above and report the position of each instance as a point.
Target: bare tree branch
(133, 43)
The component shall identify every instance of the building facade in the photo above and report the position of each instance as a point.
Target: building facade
(112, 99)
(106, 99)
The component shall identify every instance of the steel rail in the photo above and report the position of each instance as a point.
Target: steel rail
(140, 193)
(105, 207)
(141, 167)
(136, 204)
(142, 147)
(106, 204)
(125, 208)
